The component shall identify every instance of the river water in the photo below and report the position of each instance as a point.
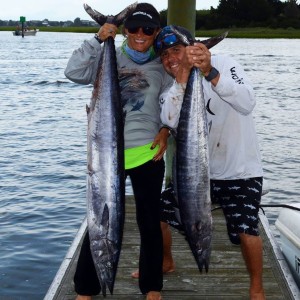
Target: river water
(43, 146)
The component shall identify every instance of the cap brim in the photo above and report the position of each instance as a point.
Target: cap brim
(165, 47)
(140, 23)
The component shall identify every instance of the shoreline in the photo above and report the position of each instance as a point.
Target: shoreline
(257, 32)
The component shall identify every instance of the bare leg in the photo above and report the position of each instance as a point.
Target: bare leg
(252, 250)
(168, 262)
(80, 297)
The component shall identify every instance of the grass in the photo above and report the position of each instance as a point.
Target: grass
(260, 32)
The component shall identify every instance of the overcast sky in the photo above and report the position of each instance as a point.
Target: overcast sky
(63, 10)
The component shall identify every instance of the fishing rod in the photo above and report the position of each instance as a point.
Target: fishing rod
(279, 205)
(269, 205)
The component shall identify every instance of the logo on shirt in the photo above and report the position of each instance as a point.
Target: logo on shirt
(208, 108)
(235, 77)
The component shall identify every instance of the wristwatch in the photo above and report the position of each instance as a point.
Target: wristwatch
(212, 74)
(98, 38)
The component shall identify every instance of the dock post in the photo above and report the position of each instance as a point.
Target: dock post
(182, 13)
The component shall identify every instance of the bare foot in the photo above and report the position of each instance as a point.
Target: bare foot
(168, 267)
(135, 274)
(153, 296)
(171, 269)
(80, 297)
(257, 296)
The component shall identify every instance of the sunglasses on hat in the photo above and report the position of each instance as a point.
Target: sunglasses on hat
(146, 30)
(171, 36)
(166, 41)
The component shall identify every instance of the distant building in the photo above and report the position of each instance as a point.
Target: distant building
(45, 22)
(88, 23)
(68, 24)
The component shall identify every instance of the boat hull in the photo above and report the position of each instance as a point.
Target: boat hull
(26, 33)
(288, 224)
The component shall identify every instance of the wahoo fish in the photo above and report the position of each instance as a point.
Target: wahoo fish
(105, 160)
(192, 167)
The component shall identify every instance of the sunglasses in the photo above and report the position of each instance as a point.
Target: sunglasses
(166, 41)
(146, 30)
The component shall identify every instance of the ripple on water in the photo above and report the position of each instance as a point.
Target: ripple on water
(43, 143)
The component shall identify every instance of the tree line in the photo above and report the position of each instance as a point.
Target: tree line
(247, 13)
(228, 14)
(250, 13)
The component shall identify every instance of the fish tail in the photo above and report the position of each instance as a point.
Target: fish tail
(124, 14)
(209, 43)
(95, 15)
(116, 20)
(181, 36)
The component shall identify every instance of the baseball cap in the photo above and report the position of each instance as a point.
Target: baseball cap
(144, 15)
(171, 36)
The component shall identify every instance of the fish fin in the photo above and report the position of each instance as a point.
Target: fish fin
(124, 14)
(105, 217)
(95, 15)
(116, 20)
(209, 43)
(87, 108)
(181, 36)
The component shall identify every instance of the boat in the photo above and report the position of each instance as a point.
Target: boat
(288, 224)
(25, 32)
(227, 277)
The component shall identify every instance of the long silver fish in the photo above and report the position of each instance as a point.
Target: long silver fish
(105, 160)
(192, 166)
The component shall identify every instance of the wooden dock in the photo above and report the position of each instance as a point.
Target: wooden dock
(227, 277)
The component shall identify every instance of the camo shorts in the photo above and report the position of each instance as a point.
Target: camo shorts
(240, 201)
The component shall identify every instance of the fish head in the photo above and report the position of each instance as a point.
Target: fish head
(201, 236)
(105, 257)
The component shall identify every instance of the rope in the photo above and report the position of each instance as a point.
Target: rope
(269, 205)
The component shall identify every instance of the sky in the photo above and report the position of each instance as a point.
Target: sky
(65, 10)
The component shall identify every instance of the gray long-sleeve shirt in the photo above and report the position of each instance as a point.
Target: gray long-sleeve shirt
(141, 85)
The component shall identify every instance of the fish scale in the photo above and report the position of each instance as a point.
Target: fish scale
(192, 171)
(105, 160)
(192, 178)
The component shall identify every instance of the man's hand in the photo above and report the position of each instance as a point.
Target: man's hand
(161, 139)
(200, 57)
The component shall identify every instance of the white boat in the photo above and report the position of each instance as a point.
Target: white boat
(288, 224)
(25, 32)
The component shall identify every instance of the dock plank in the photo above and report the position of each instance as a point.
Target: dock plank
(226, 279)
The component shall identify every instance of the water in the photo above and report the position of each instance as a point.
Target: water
(43, 146)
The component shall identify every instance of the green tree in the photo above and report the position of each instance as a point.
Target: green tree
(77, 22)
(292, 10)
(253, 10)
